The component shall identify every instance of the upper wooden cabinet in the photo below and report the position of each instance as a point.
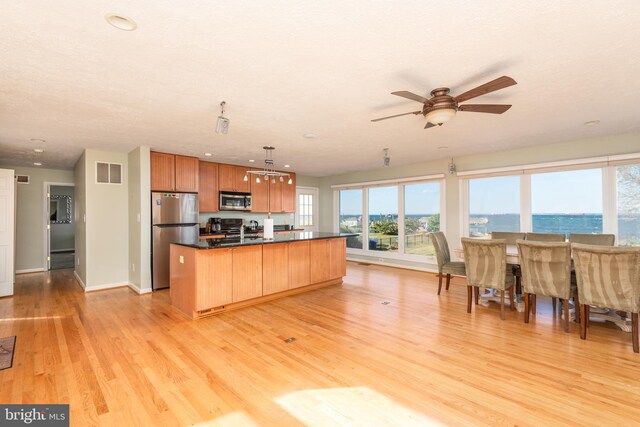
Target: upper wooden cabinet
(260, 197)
(163, 171)
(170, 172)
(231, 178)
(289, 195)
(275, 196)
(208, 187)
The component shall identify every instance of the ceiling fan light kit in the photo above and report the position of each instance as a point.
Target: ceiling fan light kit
(268, 173)
(442, 107)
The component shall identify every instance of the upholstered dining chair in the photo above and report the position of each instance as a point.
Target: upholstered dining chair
(486, 262)
(608, 277)
(443, 257)
(593, 239)
(546, 237)
(546, 270)
(509, 236)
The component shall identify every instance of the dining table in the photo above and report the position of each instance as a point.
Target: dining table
(620, 319)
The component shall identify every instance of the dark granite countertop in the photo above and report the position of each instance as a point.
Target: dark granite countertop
(277, 238)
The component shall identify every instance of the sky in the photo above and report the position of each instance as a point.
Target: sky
(578, 191)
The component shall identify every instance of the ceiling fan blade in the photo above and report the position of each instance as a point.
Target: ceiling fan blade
(429, 125)
(412, 96)
(397, 115)
(492, 86)
(485, 108)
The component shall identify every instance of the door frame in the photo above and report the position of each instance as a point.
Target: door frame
(315, 192)
(8, 192)
(46, 227)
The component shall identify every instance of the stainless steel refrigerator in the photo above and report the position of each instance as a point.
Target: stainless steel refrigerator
(174, 218)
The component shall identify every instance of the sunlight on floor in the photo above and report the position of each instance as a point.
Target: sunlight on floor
(238, 418)
(355, 406)
(16, 319)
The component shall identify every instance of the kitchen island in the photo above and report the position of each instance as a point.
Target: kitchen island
(213, 276)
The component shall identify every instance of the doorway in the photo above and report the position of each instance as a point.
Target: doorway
(307, 208)
(59, 226)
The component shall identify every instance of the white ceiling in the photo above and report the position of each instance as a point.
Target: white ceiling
(286, 68)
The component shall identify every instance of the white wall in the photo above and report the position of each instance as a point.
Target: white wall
(139, 220)
(600, 146)
(80, 206)
(30, 243)
(62, 236)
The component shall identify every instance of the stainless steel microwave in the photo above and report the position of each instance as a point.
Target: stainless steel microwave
(230, 201)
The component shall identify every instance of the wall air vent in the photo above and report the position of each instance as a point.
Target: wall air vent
(22, 179)
(108, 173)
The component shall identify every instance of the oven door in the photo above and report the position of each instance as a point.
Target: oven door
(235, 201)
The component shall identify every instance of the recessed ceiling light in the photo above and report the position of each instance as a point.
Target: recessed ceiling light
(38, 150)
(37, 140)
(287, 166)
(443, 147)
(121, 22)
(251, 161)
(592, 122)
(207, 154)
(310, 135)
(37, 164)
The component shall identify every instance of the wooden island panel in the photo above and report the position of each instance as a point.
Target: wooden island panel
(247, 272)
(275, 268)
(298, 264)
(215, 273)
(338, 258)
(320, 261)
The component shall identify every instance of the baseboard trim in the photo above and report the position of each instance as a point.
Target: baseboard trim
(139, 291)
(30, 270)
(106, 286)
(80, 282)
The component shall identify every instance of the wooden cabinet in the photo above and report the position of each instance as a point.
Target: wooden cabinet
(187, 173)
(170, 172)
(247, 272)
(231, 178)
(289, 195)
(208, 187)
(320, 261)
(260, 197)
(163, 172)
(275, 196)
(275, 268)
(338, 258)
(215, 276)
(298, 264)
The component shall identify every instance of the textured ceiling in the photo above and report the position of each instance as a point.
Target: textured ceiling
(286, 68)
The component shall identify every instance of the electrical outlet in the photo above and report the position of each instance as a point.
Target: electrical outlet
(78, 260)
(181, 259)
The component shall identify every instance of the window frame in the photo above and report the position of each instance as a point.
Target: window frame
(400, 184)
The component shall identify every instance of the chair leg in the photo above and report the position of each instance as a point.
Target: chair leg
(512, 298)
(448, 281)
(583, 321)
(518, 284)
(553, 305)
(502, 304)
(526, 307)
(634, 332)
(586, 314)
(576, 304)
(476, 294)
(439, 283)
(565, 304)
(469, 290)
(533, 304)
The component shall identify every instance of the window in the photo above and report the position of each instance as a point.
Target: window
(628, 209)
(494, 205)
(421, 216)
(383, 219)
(567, 202)
(350, 216)
(305, 210)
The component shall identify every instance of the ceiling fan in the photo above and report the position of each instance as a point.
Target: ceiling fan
(442, 107)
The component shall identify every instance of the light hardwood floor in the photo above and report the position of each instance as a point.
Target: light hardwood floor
(123, 359)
